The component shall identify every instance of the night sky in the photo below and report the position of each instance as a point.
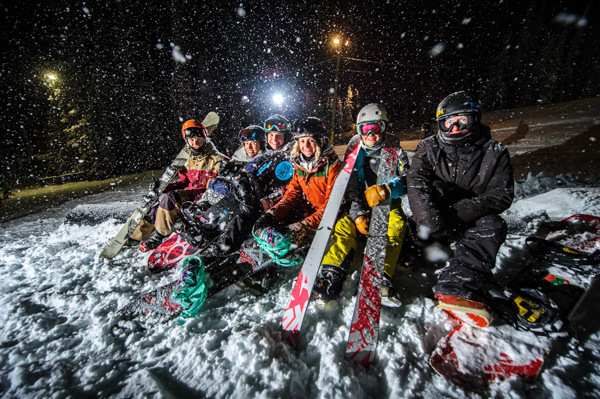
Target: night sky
(130, 72)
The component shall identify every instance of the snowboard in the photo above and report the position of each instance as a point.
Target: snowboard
(476, 359)
(301, 292)
(274, 172)
(158, 306)
(364, 328)
(116, 243)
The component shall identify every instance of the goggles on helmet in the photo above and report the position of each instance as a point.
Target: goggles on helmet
(194, 132)
(278, 124)
(461, 121)
(249, 134)
(367, 128)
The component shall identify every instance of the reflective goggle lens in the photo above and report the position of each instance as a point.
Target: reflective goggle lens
(371, 128)
(462, 122)
(194, 132)
(247, 134)
(276, 124)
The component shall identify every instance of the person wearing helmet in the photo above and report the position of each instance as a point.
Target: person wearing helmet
(363, 193)
(316, 167)
(459, 183)
(203, 164)
(278, 134)
(426, 131)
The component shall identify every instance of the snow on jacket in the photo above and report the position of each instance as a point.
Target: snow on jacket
(477, 178)
(313, 185)
(365, 172)
(198, 169)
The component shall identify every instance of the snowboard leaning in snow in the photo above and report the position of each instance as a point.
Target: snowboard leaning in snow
(364, 329)
(274, 172)
(476, 358)
(158, 306)
(116, 244)
(300, 296)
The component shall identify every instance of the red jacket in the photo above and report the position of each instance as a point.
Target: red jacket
(199, 169)
(312, 186)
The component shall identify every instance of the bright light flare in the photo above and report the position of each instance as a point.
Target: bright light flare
(278, 99)
(51, 77)
(336, 41)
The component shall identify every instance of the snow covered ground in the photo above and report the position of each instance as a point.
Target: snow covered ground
(59, 301)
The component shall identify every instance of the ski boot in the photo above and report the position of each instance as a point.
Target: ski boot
(328, 285)
(152, 242)
(389, 296)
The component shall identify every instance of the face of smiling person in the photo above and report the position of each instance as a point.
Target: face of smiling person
(371, 139)
(196, 142)
(308, 146)
(275, 139)
(252, 147)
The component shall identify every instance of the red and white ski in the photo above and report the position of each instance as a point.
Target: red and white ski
(364, 329)
(296, 310)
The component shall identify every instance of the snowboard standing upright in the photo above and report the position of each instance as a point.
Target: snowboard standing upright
(364, 329)
(475, 359)
(116, 244)
(300, 296)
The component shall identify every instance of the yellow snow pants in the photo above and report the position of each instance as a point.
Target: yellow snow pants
(344, 240)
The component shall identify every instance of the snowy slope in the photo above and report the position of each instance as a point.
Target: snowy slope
(59, 301)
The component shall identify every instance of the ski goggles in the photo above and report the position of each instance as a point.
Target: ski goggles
(281, 126)
(194, 132)
(371, 128)
(461, 121)
(250, 135)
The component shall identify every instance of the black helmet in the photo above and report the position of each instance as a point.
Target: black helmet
(426, 126)
(310, 127)
(459, 103)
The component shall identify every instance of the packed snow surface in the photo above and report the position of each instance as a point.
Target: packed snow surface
(60, 300)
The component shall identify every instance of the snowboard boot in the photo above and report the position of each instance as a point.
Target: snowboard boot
(389, 296)
(328, 285)
(260, 282)
(470, 312)
(152, 242)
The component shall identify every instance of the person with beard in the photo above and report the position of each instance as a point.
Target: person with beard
(362, 194)
(203, 164)
(316, 167)
(459, 182)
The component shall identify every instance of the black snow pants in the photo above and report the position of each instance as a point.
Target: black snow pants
(474, 258)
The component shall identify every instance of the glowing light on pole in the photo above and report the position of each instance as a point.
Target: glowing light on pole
(336, 42)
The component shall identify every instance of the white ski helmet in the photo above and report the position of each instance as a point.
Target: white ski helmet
(371, 113)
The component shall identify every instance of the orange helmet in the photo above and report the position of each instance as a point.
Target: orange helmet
(193, 128)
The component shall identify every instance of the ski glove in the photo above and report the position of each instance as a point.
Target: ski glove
(377, 194)
(266, 220)
(362, 224)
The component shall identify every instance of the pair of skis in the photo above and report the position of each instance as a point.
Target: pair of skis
(171, 173)
(364, 329)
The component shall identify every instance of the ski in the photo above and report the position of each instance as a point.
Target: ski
(116, 244)
(364, 328)
(300, 296)
(557, 277)
(158, 306)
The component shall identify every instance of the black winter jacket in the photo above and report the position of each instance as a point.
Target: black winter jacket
(459, 184)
